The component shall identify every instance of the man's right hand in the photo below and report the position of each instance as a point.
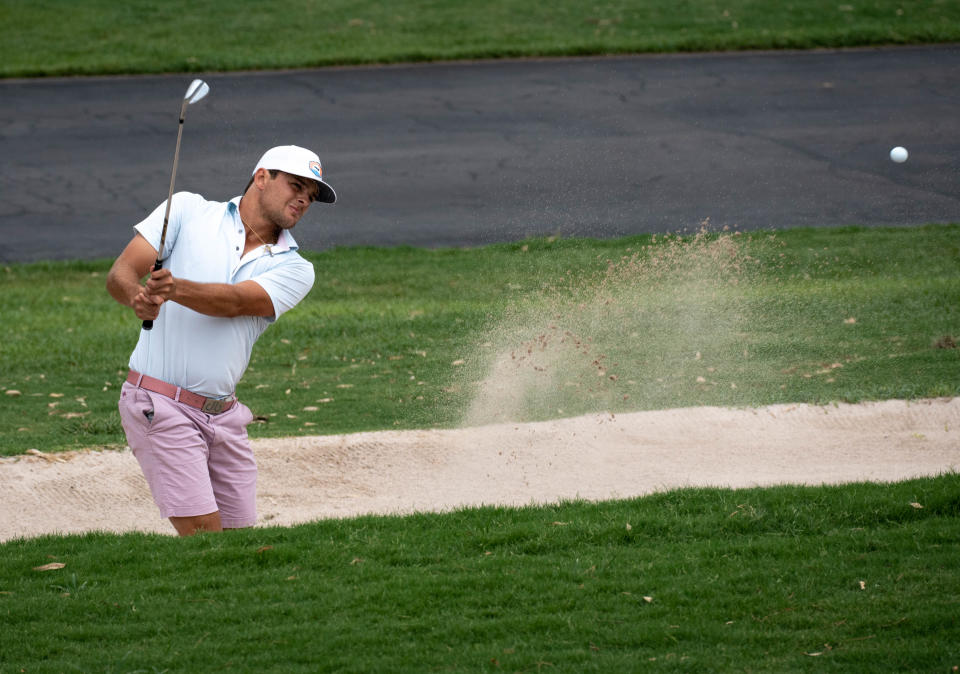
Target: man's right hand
(123, 282)
(146, 307)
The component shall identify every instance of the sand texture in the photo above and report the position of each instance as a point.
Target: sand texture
(593, 457)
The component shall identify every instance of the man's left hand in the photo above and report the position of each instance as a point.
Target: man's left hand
(161, 284)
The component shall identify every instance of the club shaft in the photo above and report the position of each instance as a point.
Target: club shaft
(148, 324)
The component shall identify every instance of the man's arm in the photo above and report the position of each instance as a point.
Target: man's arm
(123, 281)
(247, 298)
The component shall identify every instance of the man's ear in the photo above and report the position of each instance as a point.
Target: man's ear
(260, 178)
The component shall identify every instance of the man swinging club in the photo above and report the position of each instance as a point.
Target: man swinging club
(229, 270)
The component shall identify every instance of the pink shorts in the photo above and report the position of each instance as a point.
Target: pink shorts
(195, 463)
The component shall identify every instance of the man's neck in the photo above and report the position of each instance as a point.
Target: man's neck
(258, 230)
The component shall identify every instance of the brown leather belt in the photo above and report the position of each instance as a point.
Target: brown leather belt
(208, 405)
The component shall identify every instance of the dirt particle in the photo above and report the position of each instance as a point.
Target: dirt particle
(945, 342)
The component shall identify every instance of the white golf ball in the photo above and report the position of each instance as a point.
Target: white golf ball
(899, 154)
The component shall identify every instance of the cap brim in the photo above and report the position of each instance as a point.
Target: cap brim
(326, 194)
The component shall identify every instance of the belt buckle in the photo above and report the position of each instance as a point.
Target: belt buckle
(214, 406)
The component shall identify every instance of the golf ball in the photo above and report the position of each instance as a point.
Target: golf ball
(899, 154)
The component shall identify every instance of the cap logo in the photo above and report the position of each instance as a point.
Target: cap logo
(316, 169)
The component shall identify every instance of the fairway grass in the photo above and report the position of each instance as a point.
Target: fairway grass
(101, 37)
(406, 338)
(859, 577)
(855, 578)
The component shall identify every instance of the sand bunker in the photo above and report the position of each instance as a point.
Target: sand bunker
(593, 457)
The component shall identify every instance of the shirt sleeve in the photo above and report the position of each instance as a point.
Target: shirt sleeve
(287, 284)
(151, 227)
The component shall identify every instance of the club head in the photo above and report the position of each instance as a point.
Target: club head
(198, 89)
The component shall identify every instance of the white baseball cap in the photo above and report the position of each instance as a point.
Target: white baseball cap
(297, 161)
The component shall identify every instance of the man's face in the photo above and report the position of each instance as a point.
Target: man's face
(287, 197)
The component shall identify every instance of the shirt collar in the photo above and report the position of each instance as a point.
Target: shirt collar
(284, 242)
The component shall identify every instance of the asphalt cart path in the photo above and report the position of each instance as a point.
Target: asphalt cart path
(463, 154)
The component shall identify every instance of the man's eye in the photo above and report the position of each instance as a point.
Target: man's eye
(303, 187)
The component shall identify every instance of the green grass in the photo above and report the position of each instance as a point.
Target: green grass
(859, 577)
(852, 578)
(402, 338)
(92, 37)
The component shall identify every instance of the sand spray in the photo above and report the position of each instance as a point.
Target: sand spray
(651, 327)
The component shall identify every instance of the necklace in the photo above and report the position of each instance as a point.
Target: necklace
(267, 246)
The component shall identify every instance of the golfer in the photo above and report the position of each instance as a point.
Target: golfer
(230, 270)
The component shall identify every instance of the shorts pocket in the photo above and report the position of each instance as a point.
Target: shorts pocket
(137, 410)
(247, 414)
(238, 418)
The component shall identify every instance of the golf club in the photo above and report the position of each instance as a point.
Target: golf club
(197, 90)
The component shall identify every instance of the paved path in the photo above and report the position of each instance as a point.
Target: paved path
(473, 153)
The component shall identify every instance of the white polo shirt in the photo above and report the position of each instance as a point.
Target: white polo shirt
(205, 241)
